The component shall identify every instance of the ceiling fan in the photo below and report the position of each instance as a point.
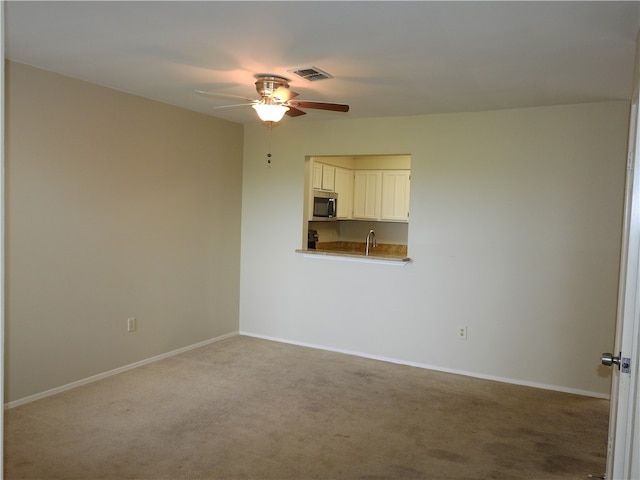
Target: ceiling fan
(276, 99)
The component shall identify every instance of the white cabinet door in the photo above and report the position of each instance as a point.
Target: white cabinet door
(324, 177)
(395, 195)
(328, 178)
(366, 194)
(317, 176)
(344, 189)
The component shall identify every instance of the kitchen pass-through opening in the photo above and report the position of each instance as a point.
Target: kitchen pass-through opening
(352, 202)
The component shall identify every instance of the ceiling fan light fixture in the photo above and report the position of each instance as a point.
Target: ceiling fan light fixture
(270, 112)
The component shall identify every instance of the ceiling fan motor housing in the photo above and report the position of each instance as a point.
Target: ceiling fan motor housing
(266, 85)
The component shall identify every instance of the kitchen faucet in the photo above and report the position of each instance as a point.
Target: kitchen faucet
(371, 235)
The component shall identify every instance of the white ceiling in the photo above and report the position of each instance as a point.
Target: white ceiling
(388, 58)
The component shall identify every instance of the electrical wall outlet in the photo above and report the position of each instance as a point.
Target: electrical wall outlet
(131, 324)
(462, 332)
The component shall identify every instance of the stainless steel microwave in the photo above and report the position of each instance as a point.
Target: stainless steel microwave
(325, 205)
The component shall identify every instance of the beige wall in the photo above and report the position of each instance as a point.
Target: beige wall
(117, 206)
(515, 232)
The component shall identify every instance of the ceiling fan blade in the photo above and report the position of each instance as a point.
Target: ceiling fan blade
(335, 107)
(220, 107)
(223, 95)
(284, 94)
(294, 112)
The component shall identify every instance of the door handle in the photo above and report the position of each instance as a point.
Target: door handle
(609, 359)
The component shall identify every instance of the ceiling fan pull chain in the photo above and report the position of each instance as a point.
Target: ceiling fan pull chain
(270, 127)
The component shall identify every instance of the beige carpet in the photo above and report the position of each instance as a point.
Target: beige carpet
(252, 409)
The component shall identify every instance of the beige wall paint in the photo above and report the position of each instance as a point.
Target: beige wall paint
(515, 232)
(2, 251)
(117, 206)
(368, 162)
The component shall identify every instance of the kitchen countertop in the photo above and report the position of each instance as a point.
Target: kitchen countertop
(356, 250)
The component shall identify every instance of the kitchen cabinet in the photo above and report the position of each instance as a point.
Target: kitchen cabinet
(316, 180)
(395, 195)
(328, 178)
(381, 195)
(324, 177)
(344, 189)
(378, 195)
(367, 189)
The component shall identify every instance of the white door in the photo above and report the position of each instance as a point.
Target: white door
(623, 452)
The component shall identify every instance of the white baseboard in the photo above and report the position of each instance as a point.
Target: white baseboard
(100, 376)
(512, 381)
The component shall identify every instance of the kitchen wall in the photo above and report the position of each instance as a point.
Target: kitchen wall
(356, 231)
(515, 232)
(367, 162)
(116, 207)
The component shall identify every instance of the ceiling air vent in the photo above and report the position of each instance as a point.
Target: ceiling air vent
(311, 73)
